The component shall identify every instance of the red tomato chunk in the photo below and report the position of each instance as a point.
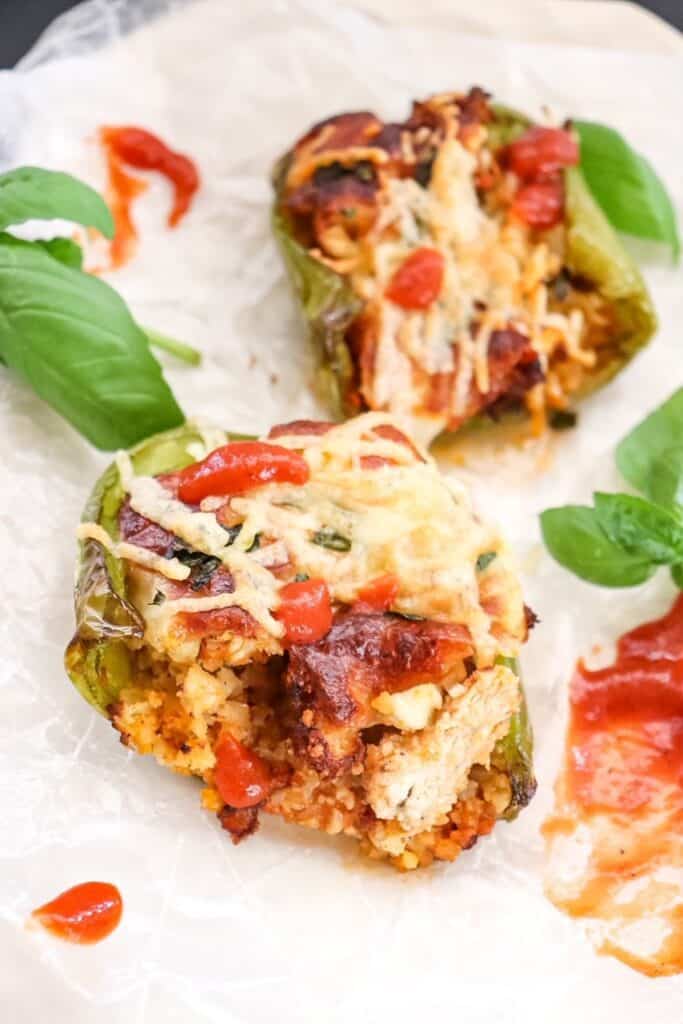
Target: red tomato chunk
(417, 282)
(379, 594)
(305, 611)
(540, 204)
(541, 152)
(238, 467)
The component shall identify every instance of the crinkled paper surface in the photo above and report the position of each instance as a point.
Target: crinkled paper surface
(289, 926)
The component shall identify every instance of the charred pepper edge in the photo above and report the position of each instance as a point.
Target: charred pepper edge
(329, 305)
(97, 659)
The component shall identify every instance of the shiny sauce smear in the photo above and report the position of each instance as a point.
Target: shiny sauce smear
(84, 914)
(136, 147)
(615, 839)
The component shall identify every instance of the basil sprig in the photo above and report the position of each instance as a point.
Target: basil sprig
(623, 538)
(626, 186)
(69, 334)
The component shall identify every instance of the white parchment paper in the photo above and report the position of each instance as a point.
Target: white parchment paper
(289, 926)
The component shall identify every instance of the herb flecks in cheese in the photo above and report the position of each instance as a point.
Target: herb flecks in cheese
(388, 502)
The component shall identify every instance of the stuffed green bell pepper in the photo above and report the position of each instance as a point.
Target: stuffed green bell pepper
(455, 265)
(317, 626)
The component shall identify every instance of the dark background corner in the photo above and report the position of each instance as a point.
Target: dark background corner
(22, 21)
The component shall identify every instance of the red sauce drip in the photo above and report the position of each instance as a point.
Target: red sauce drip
(242, 778)
(145, 151)
(85, 914)
(623, 782)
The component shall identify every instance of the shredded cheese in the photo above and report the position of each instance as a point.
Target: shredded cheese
(402, 518)
(493, 274)
(171, 568)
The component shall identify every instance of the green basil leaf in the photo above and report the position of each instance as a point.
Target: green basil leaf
(575, 539)
(677, 575)
(73, 339)
(32, 193)
(626, 186)
(327, 538)
(485, 560)
(637, 454)
(202, 566)
(640, 527)
(64, 250)
(563, 419)
(665, 479)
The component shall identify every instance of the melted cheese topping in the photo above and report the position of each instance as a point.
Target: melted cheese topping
(171, 568)
(401, 518)
(490, 265)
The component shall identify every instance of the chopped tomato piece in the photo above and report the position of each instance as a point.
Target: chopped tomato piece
(379, 594)
(242, 778)
(418, 280)
(375, 462)
(236, 468)
(305, 611)
(541, 152)
(311, 427)
(391, 433)
(540, 204)
(84, 914)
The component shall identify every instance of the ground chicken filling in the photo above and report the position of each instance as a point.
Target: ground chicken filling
(328, 636)
(456, 247)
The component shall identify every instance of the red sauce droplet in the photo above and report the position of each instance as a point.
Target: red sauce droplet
(85, 914)
(622, 787)
(242, 778)
(139, 148)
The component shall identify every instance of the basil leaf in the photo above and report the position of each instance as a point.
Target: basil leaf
(72, 337)
(202, 566)
(563, 419)
(637, 454)
(665, 479)
(575, 539)
(64, 250)
(185, 353)
(626, 186)
(233, 533)
(485, 560)
(327, 538)
(677, 575)
(29, 193)
(640, 527)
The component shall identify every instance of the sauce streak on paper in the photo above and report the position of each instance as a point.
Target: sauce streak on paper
(84, 914)
(620, 800)
(139, 148)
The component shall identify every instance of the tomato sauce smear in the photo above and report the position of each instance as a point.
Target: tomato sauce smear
(127, 145)
(84, 914)
(619, 800)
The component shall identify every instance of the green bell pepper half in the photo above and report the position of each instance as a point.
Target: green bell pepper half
(329, 305)
(98, 658)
